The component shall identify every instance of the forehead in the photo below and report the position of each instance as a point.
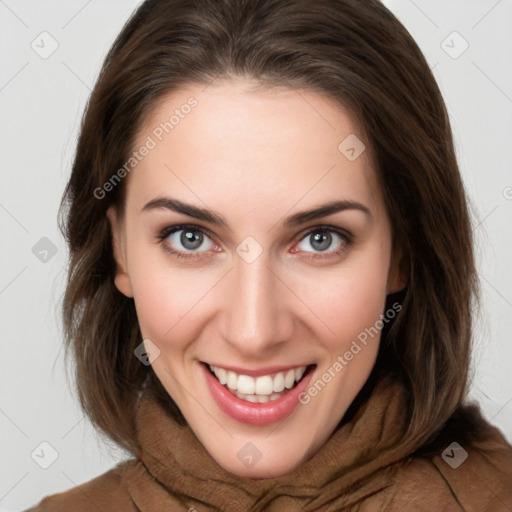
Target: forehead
(258, 147)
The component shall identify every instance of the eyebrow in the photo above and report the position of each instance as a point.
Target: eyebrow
(205, 215)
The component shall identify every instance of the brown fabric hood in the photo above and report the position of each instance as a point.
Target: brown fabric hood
(358, 469)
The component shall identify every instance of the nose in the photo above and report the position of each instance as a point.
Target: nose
(256, 317)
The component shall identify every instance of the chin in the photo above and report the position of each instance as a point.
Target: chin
(266, 467)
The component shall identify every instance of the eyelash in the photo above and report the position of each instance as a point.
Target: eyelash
(347, 238)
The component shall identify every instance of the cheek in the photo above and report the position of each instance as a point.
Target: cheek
(168, 300)
(156, 304)
(348, 300)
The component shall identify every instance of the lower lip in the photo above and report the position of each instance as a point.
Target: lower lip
(255, 413)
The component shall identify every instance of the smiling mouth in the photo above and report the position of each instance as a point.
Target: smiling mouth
(261, 389)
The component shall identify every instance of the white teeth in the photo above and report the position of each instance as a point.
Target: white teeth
(299, 372)
(232, 379)
(262, 399)
(222, 375)
(263, 386)
(246, 384)
(278, 382)
(289, 380)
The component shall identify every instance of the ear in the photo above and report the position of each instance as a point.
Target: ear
(398, 276)
(122, 279)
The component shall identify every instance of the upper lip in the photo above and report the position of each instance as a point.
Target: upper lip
(260, 371)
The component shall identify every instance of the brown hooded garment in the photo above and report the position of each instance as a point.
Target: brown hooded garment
(176, 473)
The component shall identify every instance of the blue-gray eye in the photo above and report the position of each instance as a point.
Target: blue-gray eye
(320, 240)
(189, 240)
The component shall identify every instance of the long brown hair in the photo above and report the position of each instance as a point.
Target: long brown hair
(351, 51)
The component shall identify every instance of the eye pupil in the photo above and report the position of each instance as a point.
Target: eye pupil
(321, 240)
(191, 239)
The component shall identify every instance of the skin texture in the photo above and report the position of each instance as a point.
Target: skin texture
(256, 157)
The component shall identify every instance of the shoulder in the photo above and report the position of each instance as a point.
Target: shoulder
(104, 493)
(468, 466)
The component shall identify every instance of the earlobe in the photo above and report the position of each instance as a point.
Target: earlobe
(399, 272)
(121, 278)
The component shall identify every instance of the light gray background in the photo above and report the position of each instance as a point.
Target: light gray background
(41, 102)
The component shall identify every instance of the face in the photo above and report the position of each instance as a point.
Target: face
(252, 244)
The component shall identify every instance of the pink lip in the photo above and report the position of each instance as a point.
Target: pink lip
(254, 413)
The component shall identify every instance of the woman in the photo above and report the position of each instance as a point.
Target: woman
(272, 277)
